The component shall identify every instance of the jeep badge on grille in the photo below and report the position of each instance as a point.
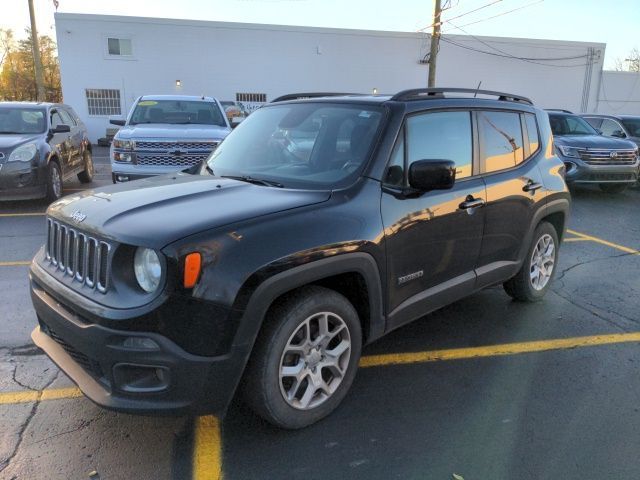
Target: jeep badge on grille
(78, 216)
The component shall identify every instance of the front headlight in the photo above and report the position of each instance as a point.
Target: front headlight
(146, 265)
(24, 153)
(123, 144)
(568, 151)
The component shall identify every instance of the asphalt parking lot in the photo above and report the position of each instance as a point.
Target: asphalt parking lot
(484, 389)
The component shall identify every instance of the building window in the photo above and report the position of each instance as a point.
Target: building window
(251, 97)
(103, 102)
(119, 46)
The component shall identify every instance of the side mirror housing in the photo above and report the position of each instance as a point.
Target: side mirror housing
(61, 129)
(235, 121)
(425, 175)
(618, 134)
(117, 121)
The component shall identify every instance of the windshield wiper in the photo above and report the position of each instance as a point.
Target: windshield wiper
(255, 181)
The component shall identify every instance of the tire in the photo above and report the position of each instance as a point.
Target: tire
(321, 379)
(523, 287)
(54, 182)
(86, 176)
(613, 187)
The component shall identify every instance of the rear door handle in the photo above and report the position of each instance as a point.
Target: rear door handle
(471, 202)
(531, 186)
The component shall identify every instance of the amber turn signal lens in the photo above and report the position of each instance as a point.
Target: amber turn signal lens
(192, 264)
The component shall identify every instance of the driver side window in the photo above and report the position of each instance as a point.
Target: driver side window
(56, 120)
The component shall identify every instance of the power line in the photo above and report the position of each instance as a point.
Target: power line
(463, 14)
(513, 57)
(503, 13)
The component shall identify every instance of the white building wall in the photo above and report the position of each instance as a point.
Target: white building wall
(221, 59)
(619, 93)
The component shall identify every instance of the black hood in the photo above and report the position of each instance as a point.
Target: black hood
(592, 141)
(10, 141)
(156, 211)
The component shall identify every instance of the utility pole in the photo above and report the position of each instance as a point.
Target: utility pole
(435, 41)
(37, 62)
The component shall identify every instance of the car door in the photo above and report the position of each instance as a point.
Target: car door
(515, 189)
(63, 143)
(432, 239)
(76, 139)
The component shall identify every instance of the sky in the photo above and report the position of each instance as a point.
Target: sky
(614, 23)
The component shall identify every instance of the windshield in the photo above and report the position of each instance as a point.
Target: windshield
(570, 125)
(17, 120)
(304, 145)
(177, 112)
(633, 126)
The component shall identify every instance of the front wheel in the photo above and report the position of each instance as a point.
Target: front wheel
(532, 281)
(613, 187)
(305, 358)
(86, 176)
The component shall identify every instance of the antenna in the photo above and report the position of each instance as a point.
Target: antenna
(477, 89)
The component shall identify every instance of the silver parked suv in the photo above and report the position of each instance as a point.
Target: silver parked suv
(166, 133)
(590, 157)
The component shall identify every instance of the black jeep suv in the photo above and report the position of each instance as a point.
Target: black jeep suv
(41, 144)
(316, 227)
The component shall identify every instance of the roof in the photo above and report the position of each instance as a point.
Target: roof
(28, 104)
(190, 98)
(606, 115)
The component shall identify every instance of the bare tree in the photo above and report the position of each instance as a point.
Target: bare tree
(631, 63)
(6, 44)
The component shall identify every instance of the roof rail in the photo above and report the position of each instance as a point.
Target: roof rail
(301, 96)
(558, 110)
(427, 93)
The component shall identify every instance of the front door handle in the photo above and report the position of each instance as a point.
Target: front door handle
(471, 202)
(531, 186)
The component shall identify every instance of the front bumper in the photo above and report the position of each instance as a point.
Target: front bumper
(22, 181)
(163, 379)
(579, 171)
(120, 171)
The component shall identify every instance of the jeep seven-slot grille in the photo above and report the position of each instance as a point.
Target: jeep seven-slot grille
(83, 258)
(603, 156)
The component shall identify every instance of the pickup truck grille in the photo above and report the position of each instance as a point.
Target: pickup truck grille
(83, 258)
(168, 160)
(608, 157)
(182, 154)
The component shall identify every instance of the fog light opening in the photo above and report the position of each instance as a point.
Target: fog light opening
(570, 167)
(140, 378)
(122, 178)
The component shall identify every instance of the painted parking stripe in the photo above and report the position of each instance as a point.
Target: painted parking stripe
(27, 396)
(601, 241)
(24, 263)
(207, 449)
(497, 350)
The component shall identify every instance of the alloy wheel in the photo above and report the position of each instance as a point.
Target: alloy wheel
(543, 260)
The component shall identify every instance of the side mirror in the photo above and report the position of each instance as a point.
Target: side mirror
(425, 175)
(61, 129)
(235, 121)
(117, 121)
(618, 134)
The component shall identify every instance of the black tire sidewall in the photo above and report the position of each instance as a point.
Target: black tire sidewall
(86, 176)
(281, 413)
(51, 196)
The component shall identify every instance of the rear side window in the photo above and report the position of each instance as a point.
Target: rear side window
(500, 140)
(441, 136)
(532, 132)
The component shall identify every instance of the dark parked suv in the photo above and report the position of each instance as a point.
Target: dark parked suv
(41, 145)
(316, 227)
(618, 126)
(611, 163)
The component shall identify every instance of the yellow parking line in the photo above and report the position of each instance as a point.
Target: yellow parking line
(207, 449)
(8, 398)
(15, 264)
(622, 248)
(497, 350)
(576, 239)
(35, 214)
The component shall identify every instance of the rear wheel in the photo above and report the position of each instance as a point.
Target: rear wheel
(305, 359)
(613, 187)
(86, 176)
(54, 182)
(532, 281)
